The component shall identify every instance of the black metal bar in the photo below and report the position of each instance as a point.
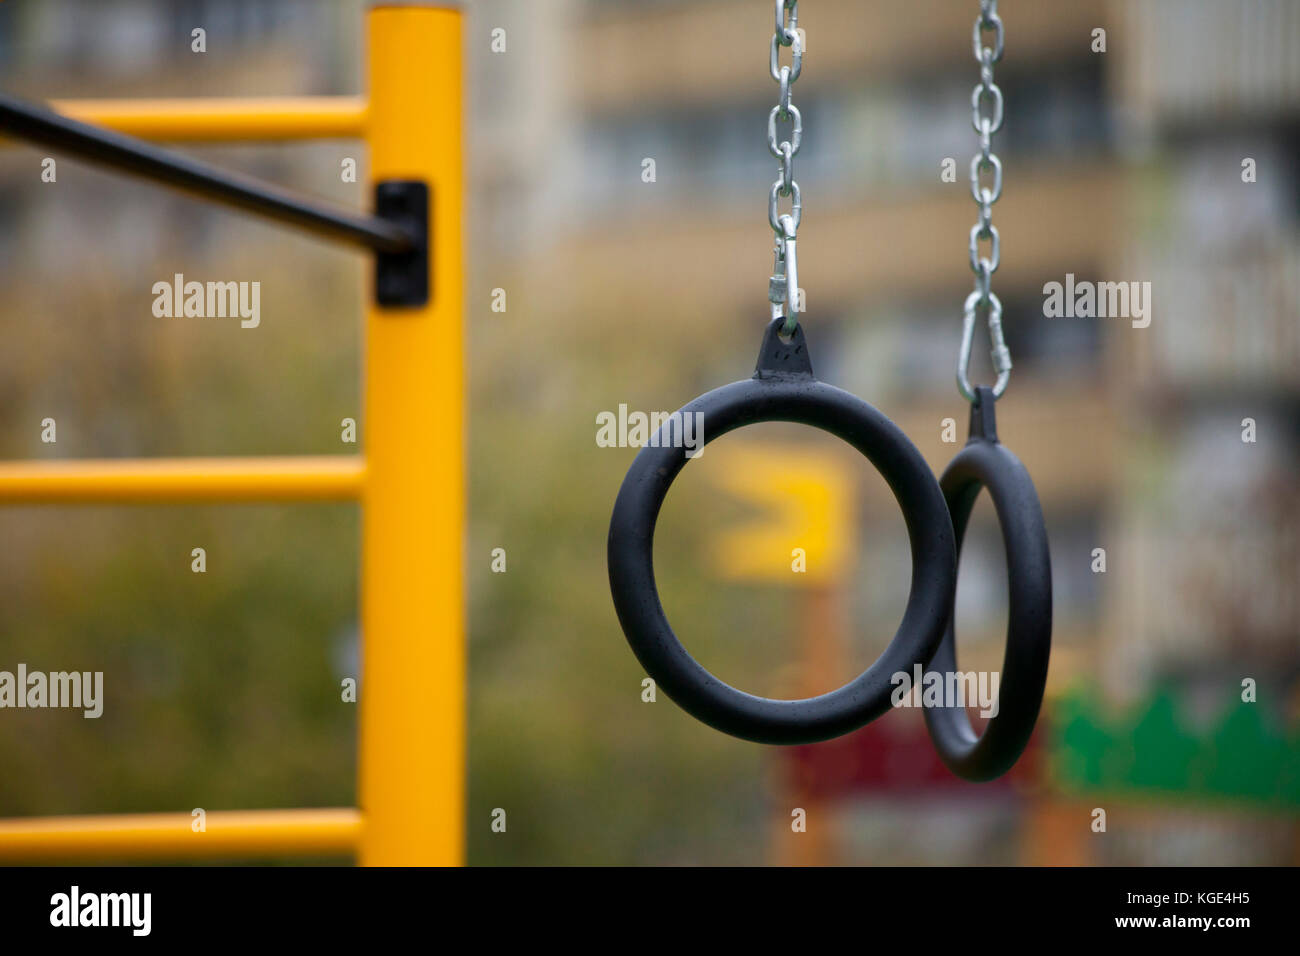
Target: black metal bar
(129, 155)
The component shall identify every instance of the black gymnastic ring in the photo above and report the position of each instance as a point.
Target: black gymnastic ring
(783, 389)
(986, 463)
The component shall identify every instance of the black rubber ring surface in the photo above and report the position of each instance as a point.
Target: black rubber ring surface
(985, 463)
(783, 389)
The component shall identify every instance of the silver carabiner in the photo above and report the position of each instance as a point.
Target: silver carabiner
(1000, 353)
(783, 288)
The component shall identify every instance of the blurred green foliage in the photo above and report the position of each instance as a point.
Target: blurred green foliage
(1241, 755)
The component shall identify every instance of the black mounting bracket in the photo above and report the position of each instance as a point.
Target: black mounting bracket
(402, 278)
(778, 358)
(983, 422)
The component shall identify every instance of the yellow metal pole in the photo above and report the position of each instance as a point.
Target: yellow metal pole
(412, 747)
(148, 480)
(154, 836)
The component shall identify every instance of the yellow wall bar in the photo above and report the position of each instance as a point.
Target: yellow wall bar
(320, 478)
(412, 748)
(217, 119)
(152, 836)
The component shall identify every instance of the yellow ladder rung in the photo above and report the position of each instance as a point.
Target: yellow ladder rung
(223, 119)
(319, 478)
(140, 836)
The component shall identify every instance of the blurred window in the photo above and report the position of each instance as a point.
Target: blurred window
(857, 138)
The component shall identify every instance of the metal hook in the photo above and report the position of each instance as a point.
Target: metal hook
(783, 288)
(1000, 353)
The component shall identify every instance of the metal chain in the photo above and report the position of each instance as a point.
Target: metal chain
(985, 196)
(783, 287)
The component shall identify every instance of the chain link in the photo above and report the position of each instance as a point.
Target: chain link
(986, 123)
(783, 287)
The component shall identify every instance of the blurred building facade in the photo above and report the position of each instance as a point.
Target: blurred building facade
(1123, 153)
(1122, 165)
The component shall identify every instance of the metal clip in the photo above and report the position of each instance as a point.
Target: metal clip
(783, 286)
(1000, 353)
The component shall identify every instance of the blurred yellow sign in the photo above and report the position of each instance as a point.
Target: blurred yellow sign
(804, 530)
